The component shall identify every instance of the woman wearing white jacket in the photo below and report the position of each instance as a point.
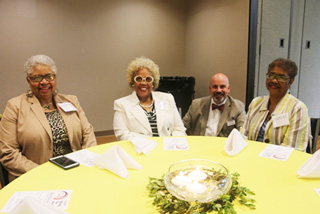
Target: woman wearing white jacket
(146, 113)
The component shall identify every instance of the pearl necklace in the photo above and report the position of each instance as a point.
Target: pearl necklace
(148, 106)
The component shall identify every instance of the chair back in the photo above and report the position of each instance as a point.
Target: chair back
(3, 176)
(182, 89)
(315, 126)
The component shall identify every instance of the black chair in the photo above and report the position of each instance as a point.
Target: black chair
(182, 89)
(3, 176)
(315, 127)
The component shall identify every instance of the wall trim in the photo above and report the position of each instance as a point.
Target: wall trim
(104, 133)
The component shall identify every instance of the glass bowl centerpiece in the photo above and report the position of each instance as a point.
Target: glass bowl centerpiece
(197, 180)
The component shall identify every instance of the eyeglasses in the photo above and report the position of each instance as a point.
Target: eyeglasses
(39, 78)
(148, 79)
(279, 78)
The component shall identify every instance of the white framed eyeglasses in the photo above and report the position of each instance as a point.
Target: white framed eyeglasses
(139, 79)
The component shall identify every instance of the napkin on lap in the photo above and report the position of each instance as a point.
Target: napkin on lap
(30, 205)
(235, 143)
(117, 161)
(311, 168)
(143, 145)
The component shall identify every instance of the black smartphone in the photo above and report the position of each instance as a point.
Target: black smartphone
(64, 162)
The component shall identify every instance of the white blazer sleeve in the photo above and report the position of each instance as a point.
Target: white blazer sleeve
(121, 123)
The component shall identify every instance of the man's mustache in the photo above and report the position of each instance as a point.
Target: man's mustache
(218, 93)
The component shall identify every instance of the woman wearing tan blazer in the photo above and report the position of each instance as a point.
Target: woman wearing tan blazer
(41, 123)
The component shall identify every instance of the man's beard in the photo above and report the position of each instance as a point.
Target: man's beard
(221, 99)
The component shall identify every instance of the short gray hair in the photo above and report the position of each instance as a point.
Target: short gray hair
(39, 60)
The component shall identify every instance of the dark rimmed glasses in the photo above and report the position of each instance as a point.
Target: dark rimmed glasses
(39, 78)
(279, 78)
(139, 79)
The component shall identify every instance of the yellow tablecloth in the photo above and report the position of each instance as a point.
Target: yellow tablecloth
(277, 188)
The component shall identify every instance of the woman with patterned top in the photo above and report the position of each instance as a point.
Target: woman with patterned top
(278, 118)
(146, 113)
(41, 123)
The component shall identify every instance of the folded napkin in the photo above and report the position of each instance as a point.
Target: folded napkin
(311, 168)
(116, 160)
(235, 143)
(143, 145)
(30, 205)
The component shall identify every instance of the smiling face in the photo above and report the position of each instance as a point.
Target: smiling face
(219, 88)
(44, 89)
(278, 89)
(143, 88)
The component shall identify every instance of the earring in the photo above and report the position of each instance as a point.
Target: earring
(55, 92)
(29, 93)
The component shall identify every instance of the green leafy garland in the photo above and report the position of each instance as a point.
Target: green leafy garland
(167, 203)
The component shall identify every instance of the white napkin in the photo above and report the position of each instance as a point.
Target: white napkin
(235, 143)
(117, 161)
(30, 205)
(143, 145)
(311, 168)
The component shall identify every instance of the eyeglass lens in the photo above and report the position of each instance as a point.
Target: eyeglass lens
(39, 78)
(280, 78)
(148, 79)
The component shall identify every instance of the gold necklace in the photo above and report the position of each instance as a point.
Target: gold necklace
(148, 106)
(47, 107)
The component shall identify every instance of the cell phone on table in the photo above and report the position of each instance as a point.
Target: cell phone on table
(64, 162)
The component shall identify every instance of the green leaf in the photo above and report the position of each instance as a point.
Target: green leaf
(167, 203)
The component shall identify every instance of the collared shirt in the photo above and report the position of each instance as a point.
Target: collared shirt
(213, 119)
(295, 134)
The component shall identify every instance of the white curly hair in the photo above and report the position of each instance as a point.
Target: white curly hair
(143, 62)
(39, 60)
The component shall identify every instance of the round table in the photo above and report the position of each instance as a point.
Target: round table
(95, 190)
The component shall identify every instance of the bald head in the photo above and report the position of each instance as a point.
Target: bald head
(219, 87)
(219, 77)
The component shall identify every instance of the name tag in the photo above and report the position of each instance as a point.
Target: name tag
(280, 120)
(231, 123)
(67, 107)
(162, 104)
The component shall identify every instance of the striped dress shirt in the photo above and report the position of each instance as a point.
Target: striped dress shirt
(295, 134)
(152, 118)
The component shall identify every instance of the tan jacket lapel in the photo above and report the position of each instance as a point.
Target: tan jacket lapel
(38, 111)
(224, 115)
(205, 115)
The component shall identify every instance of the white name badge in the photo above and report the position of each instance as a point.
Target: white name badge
(280, 120)
(231, 123)
(162, 104)
(67, 107)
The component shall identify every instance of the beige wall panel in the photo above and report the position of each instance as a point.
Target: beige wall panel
(92, 43)
(217, 41)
